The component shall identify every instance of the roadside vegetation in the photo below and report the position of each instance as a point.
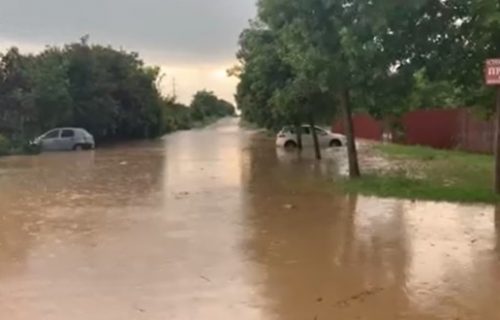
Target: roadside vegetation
(423, 173)
(109, 92)
(307, 61)
(12, 147)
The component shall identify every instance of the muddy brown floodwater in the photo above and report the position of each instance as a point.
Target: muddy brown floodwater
(218, 224)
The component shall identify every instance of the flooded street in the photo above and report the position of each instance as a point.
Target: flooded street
(218, 224)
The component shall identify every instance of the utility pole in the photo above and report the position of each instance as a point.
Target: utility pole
(492, 78)
(174, 88)
(497, 142)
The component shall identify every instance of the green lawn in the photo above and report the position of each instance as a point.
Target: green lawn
(429, 174)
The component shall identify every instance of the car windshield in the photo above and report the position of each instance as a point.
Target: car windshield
(85, 133)
(321, 131)
(50, 135)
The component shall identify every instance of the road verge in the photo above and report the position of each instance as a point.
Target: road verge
(421, 173)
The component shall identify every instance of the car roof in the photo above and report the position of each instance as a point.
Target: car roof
(68, 128)
(303, 126)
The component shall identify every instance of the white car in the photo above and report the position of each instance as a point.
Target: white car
(62, 139)
(287, 138)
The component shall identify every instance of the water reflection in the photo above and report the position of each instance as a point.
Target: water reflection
(497, 227)
(316, 256)
(330, 255)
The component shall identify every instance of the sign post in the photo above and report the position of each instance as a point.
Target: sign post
(492, 78)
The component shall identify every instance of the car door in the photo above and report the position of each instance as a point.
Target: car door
(307, 138)
(323, 137)
(49, 141)
(67, 140)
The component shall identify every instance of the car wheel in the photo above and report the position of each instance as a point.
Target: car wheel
(335, 144)
(78, 147)
(290, 145)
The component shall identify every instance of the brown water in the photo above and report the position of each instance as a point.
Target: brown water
(217, 224)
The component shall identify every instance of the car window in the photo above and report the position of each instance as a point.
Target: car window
(306, 130)
(320, 132)
(52, 134)
(67, 134)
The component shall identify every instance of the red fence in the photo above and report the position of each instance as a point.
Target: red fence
(437, 128)
(365, 127)
(433, 128)
(475, 134)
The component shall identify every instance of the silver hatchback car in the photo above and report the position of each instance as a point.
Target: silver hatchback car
(65, 139)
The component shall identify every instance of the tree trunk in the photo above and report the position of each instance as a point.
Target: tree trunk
(298, 132)
(497, 224)
(317, 149)
(497, 143)
(352, 152)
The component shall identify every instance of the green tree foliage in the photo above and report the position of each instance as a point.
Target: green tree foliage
(109, 92)
(333, 45)
(51, 90)
(270, 93)
(436, 94)
(16, 99)
(4, 146)
(114, 94)
(383, 57)
(176, 116)
(205, 104)
(449, 41)
(263, 73)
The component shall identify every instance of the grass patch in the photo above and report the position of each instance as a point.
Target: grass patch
(429, 174)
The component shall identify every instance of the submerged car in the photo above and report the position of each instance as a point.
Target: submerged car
(65, 139)
(287, 137)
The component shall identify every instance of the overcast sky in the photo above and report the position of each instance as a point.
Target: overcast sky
(192, 40)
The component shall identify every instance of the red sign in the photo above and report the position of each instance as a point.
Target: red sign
(492, 72)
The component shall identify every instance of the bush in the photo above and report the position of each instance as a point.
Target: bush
(15, 147)
(4, 146)
(30, 148)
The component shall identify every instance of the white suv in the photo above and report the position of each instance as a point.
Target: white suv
(287, 138)
(63, 139)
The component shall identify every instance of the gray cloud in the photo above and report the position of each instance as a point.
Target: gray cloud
(204, 31)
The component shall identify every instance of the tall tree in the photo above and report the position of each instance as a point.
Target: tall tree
(16, 99)
(111, 93)
(206, 104)
(270, 93)
(262, 73)
(322, 45)
(52, 98)
(355, 51)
